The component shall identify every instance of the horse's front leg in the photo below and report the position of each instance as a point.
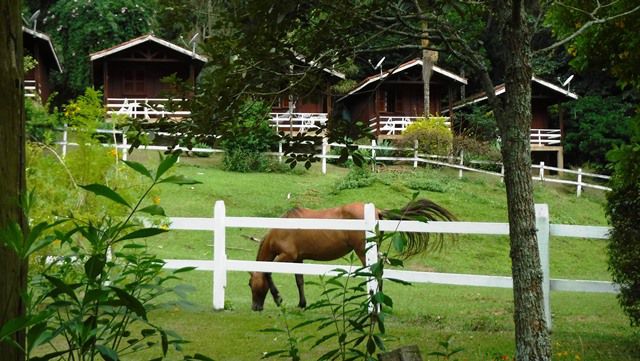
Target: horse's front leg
(273, 289)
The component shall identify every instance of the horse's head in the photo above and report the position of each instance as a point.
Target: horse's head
(259, 287)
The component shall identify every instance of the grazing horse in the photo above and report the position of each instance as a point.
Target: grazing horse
(288, 245)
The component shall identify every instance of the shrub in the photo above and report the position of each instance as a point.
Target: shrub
(479, 123)
(596, 126)
(247, 138)
(623, 211)
(433, 136)
(40, 124)
(358, 177)
(478, 150)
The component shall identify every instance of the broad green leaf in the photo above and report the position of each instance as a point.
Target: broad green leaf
(94, 266)
(102, 190)
(131, 302)
(199, 357)
(142, 233)
(107, 353)
(138, 167)
(179, 180)
(165, 165)
(399, 242)
(49, 356)
(154, 210)
(184, 269)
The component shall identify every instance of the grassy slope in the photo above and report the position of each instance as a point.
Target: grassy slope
(588, 325)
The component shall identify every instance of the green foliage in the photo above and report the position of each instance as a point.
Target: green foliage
(623, 211)
(479, 123)
(247, 138)
(484, 152)
(40, 124)
(29, 63)
(608, 46)
(83, 27)
(358, 177)
(596, 125)
(433, 136)
(95, 297)
(447, 350)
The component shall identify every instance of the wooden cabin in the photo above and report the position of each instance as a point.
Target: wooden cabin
(293, 114)
(131, 74)
(546, 131)
(37, 80)
(393, 99)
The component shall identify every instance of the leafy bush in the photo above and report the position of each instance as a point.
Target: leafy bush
(596, 126)
(94, 298)
(40, 124)
(623, 211)
(247, 138)
(358, 177)
(479, 123)
(433, 136)
(478, 150)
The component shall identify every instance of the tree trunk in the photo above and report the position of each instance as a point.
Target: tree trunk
(13, 270)
(429, 57)
(514, 120)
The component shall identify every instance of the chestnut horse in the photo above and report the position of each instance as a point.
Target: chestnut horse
(288, 245)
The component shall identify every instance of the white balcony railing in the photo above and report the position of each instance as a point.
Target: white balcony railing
(546, 137)
(395, 125)
(298, 122)
(144, 108)
(30, 89)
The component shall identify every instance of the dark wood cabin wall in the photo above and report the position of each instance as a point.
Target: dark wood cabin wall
(541, 119)
(153, 73)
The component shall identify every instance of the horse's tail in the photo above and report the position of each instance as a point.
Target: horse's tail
(420, 210)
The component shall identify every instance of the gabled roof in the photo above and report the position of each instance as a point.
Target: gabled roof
(500, 89)
(143, 39)
(46, 39)
(333, 72)
(400, 68)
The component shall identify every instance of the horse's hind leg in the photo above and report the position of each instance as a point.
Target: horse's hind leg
(300, 284)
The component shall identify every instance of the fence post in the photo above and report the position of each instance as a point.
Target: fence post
(280, 152)
(461, 163)
(542, 227)
(415, 153)
(324, 155)
(542, 171)
(373, 155)
(65, 138)
(579, 190)
(125, 151)
(502, 172)
(219, 256)
(371, 255)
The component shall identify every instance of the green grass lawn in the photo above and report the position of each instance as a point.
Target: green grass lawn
(585, 326)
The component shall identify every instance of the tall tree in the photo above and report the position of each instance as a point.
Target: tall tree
(263, 41)
(13, 270)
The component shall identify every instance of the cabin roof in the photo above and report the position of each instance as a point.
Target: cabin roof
(500, 89)
(400, 68)
(44, 38)
(142, 39)
(333, 72)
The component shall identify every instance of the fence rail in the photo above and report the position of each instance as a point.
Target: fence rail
(220, 264)
(416, 158)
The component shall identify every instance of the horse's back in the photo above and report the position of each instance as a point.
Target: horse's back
(320, 244)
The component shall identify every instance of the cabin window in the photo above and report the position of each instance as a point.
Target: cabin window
(133, 82)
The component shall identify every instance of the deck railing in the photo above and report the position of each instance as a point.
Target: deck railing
(297, 122)
(30, 88)
(545, 137)
(145, 108)
(395, 125)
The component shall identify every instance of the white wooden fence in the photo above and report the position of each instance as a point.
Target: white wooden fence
(455, 162)
(220, 264)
